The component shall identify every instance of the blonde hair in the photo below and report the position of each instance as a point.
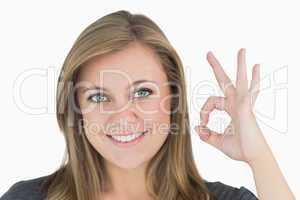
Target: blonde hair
(172, 173)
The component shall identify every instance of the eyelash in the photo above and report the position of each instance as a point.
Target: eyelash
(90, 98)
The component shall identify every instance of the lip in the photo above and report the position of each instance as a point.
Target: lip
(128, 144)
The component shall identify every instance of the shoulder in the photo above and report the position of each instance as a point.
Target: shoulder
(227, 192)
(26, 189)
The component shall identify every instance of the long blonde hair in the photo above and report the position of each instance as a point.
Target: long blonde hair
(172, 173)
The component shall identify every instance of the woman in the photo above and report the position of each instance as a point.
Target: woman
(122, 107)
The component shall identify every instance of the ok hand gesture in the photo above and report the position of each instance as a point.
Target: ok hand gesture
(242, 139)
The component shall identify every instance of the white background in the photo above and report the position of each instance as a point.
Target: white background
(38, 35)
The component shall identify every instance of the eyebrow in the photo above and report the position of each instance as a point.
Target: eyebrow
(104, 89)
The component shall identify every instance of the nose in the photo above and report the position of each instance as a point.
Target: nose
(125, 119)
(127, 114)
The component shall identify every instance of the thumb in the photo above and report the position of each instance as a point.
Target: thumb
(209, 136)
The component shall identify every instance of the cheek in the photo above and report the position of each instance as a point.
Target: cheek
(154, 107)
(103, 147)
(160, 117)
(94, 130)
(159, 125)
(94, 123)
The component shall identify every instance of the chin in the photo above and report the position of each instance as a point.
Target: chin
(130, 163)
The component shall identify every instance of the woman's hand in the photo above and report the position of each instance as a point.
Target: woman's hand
(242, 139)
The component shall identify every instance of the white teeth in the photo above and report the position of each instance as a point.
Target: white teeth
(126, 138)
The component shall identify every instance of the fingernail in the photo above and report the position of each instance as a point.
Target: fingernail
(200, 130)
(209, 54)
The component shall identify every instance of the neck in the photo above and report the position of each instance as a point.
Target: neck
(127, 183)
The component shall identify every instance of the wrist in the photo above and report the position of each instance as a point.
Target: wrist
(263, 159)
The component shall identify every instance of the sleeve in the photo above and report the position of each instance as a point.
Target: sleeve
(23, 190)
(227, 192)
(14, 192)
(244, 194)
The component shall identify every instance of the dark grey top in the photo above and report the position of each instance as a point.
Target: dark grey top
(30, 190)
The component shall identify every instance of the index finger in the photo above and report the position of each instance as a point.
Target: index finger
(223, 80)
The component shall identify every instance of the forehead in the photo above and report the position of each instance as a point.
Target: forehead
(134, 62)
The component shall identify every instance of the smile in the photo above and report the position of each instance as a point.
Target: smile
(127, 140)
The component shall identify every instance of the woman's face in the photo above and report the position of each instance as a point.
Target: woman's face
(112, 105)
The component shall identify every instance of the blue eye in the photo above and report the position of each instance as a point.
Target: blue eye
(96, 98)
(144, 92)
